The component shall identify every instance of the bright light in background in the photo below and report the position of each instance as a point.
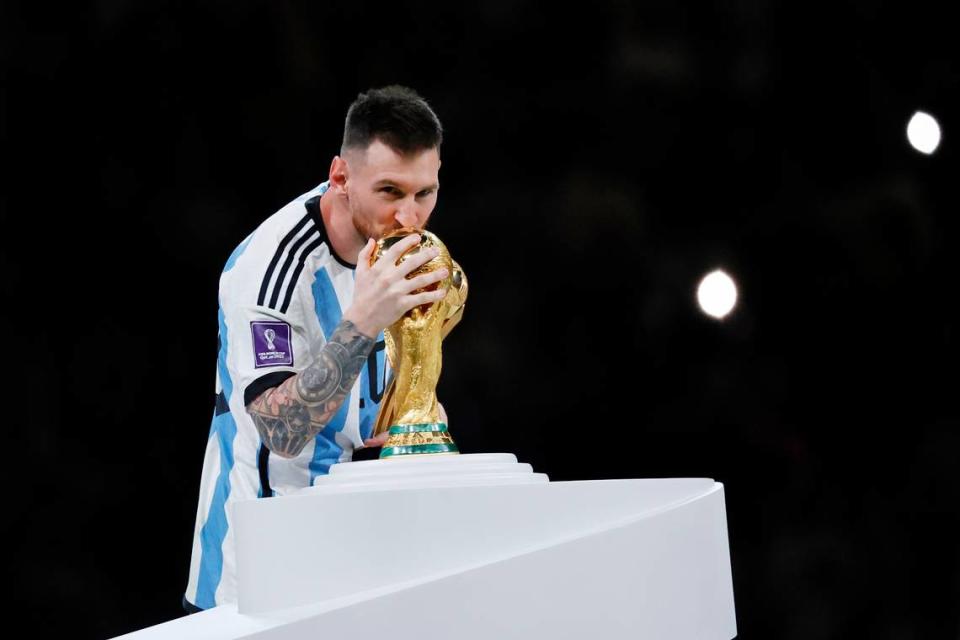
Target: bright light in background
(923, 132)
(717, 294)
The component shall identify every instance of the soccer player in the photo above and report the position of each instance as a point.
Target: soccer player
(301, 367)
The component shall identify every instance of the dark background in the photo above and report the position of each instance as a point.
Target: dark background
(599, 159)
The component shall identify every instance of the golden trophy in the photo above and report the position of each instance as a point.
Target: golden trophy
(409, 406)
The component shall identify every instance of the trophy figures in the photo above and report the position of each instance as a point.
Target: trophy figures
(409, 407)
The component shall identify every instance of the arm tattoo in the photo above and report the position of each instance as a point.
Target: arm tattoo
(289, 416)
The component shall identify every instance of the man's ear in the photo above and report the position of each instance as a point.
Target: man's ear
(339, 174)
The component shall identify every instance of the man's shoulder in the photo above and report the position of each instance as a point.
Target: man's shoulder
(289, 222)
(264, 265)
(290, 226)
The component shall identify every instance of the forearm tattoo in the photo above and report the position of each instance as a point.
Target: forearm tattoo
(288, 416)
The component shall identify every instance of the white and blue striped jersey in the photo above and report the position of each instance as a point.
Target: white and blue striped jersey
(282, 294)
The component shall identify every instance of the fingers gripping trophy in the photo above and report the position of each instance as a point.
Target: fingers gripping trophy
(409, 408)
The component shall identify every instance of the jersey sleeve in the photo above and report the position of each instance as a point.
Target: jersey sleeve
(270, 348)
(266, 345)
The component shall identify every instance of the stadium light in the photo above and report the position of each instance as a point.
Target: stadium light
(717, 294)
(923, 132)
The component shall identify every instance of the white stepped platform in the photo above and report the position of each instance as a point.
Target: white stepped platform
(415, 472)
(476, 547)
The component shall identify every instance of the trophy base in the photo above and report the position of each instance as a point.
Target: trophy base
(418, 439)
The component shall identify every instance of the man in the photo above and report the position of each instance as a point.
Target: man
(300, 370)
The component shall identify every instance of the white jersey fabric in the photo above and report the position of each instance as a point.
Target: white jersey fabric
(282, 293)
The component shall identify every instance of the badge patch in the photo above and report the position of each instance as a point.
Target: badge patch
(271, 344)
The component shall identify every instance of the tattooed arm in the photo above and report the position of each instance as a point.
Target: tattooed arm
(288, 416)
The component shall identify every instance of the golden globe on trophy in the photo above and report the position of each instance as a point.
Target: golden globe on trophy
(409, 407)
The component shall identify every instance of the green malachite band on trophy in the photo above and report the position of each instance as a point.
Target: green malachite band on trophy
(412, 439)
(420, 448)
(418, 428)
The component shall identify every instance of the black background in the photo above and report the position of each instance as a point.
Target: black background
(599, 159)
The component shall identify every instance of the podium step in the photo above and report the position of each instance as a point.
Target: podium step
(424, 471)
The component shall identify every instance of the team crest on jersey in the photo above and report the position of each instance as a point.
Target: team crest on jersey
(271, 344)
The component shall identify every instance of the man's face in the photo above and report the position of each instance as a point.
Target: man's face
(387, 191)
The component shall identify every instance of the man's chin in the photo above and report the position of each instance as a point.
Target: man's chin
(365, 232)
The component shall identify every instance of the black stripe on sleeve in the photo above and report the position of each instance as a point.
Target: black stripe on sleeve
(286, 265)
(281, 249)
(261, 384)
(296, 273)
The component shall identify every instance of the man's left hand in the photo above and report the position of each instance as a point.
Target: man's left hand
(378, 441)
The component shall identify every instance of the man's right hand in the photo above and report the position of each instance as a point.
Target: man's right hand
(382, 293)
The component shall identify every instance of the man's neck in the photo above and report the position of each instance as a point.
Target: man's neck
(346, 241)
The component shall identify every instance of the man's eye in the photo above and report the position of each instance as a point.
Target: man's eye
(426, 193)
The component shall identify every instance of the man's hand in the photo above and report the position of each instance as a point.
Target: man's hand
(382, 293)
(382, 438)
(377, 441)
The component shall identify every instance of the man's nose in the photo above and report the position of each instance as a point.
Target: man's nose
(408, 216)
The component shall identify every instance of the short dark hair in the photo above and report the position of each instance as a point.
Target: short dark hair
(395, 115)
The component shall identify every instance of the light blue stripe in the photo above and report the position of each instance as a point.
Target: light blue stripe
(225, 382)
(214, 530)
(327, 305)
(327, 451)
(232, 260)
(326, 454)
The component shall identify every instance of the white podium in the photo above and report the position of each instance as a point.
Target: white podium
(477, 547)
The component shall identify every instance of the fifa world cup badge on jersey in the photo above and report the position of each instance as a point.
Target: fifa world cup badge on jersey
(271, 344)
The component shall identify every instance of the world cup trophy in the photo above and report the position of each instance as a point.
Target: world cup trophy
(409, 407)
